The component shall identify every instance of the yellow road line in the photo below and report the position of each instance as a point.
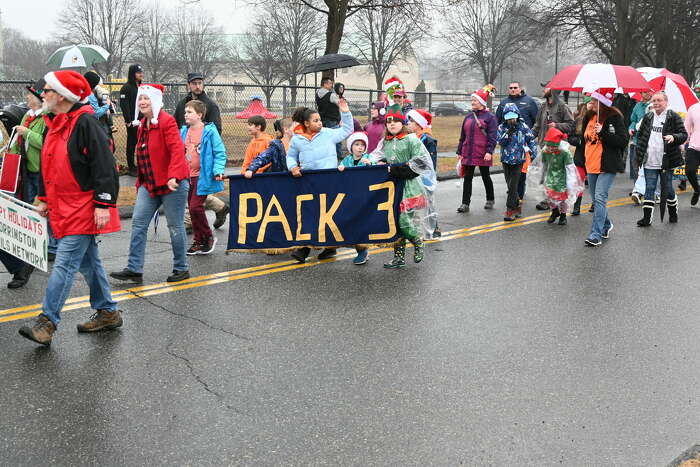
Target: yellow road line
(28, 311)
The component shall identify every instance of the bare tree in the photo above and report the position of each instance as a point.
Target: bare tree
(155, 47)
(487, 33)
(23, 57)
(258, 58)
(294, 32)
(107, 23)
(380, 40)
(199, 44)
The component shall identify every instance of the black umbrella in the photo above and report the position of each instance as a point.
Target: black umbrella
(331, 62)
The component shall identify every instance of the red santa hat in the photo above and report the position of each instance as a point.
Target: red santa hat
(482, 95)
(357, 136)
(394, 81)
(155, 93)
(554, 137)
(421, 117)
(69, 84)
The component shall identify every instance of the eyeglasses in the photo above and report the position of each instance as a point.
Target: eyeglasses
(46, 91)
(394, 119)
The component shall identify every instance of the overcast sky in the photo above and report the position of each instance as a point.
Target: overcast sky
(38, 17)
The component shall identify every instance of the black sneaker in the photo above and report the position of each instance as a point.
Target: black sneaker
(606, 234)
(542, 205)
(593, 242)
(327, 253)
(127, 275)
(695, 198)
(195, 249)
(178, 276)
(209, 247)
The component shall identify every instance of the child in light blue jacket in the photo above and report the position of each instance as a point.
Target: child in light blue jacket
(312, 146)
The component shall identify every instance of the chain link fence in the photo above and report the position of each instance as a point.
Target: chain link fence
(448, 108)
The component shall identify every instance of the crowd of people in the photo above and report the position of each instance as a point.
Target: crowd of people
(179, 162)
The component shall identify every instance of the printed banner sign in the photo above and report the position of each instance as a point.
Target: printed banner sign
(679, 173)
(322, 208)
(23, 233)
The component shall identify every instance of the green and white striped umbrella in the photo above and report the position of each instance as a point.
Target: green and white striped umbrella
(80, 55)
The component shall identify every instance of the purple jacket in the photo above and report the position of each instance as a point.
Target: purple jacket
(473, 144)
(375, 133)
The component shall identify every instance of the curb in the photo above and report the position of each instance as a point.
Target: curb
(690, 453)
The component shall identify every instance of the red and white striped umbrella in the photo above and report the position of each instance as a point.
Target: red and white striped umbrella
(601, 77)
(680, 96)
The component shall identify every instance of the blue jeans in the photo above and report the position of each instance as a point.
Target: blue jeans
(600, 184)
(174, 205)
(76, 253)
(651, 177)
(31, 190)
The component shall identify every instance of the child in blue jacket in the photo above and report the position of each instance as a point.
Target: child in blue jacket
(206, 155)
(276, 152)
(516, 139)
(313, 147)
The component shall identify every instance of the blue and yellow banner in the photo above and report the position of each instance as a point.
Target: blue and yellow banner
(275, 212)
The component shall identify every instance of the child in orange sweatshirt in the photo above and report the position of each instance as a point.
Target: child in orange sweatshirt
(259, 142)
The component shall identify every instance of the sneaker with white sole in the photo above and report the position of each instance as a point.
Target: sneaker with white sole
(606, 234)
(209, 247)
(637, 198)
(593, 242)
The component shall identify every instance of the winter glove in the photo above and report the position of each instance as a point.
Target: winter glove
(402, 171)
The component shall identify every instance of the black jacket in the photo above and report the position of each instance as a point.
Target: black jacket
(94, 166)
(213, 115)
(614, 138)
(672, 126)
(127, 96)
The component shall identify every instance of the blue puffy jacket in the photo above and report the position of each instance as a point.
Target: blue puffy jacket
(274, 154)
(319, 151)
(212, 160)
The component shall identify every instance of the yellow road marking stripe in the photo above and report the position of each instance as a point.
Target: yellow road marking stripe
(76, 303)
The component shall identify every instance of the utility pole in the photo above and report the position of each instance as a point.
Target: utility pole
(556, 54)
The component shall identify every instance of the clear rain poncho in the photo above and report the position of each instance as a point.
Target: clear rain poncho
(559, 183)
(418, 216)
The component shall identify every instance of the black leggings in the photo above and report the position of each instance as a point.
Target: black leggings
(467, 189)
(692, 160)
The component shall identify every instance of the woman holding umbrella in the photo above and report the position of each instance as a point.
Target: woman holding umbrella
(605, 137)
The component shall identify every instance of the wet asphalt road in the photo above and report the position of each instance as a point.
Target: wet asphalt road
(507, 347)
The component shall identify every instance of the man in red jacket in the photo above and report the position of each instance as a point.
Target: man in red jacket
(78, 191)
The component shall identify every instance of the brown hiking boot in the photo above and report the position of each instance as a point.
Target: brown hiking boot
(41, 332)
(101, 320)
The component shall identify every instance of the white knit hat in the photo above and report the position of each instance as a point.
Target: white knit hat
(357, 136)
(155, 93)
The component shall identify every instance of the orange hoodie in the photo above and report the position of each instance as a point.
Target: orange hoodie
(255, 147)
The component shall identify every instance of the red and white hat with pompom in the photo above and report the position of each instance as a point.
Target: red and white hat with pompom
(155, 93)
(482, 95)
(69, 84)
(357, 136)
(421, 117)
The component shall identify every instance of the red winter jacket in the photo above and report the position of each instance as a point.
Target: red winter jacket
(165, 149)
(78, 174)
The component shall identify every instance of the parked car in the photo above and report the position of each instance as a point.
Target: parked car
(446, 109)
